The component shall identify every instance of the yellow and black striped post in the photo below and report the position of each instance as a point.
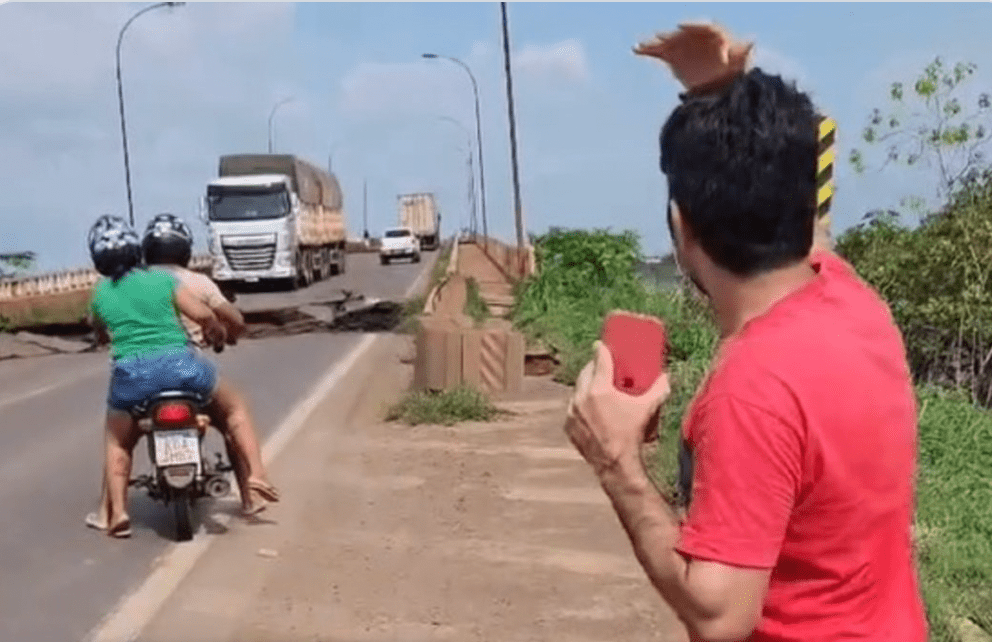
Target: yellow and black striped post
(826, 155)
(825, 166)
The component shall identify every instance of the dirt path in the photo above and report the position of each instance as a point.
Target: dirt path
(474, 532)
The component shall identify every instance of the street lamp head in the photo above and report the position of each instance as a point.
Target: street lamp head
(174, 4)
(430, 55)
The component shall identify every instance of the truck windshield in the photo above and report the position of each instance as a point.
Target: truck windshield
(394, 234)
(245, 205)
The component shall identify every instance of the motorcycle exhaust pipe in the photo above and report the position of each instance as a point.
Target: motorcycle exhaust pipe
(218, 487)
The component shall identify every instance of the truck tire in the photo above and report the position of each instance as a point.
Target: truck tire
(384, 260)
(302, 270)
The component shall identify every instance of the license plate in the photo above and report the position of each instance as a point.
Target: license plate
(177, 447)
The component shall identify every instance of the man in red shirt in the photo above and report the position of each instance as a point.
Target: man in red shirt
(803, 436)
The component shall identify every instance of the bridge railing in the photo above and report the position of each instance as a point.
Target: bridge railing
(63, 281)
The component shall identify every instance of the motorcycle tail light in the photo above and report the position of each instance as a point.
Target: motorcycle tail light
(173, 414)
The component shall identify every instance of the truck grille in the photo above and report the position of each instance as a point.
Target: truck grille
(250, 257)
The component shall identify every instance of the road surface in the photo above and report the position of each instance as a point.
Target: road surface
(59, 577)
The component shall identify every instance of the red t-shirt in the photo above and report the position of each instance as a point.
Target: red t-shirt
(804, 446)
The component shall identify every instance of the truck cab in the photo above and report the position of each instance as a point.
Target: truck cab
(252, 227)
(399, 242)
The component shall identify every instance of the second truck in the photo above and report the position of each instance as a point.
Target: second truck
(419, 213)
(274, 217)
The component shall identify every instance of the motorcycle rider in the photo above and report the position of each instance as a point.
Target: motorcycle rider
(136, 309)
(167, 246)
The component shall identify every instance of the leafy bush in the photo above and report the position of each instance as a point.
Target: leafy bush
(937, 279)
(583, 275)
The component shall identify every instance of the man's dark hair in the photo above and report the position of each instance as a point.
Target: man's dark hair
(741, 166)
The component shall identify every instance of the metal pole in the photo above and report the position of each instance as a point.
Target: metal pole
(365, 206)
(513, 132)
(120, 101)
(272, 115)
(474, 221)
(478, 134)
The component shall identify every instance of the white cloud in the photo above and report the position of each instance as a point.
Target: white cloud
(378, 90)
(565, 60)
(775, 62)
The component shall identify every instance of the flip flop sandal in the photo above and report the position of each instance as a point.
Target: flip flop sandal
(266, 491)
(121, 529)
(93, 520)
(257, 504)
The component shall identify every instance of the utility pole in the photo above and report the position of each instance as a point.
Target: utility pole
(365, 206)
(518, 213)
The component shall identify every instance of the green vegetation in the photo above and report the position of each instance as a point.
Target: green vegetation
(12, 264)
(953, 520)
(475, 305)
(446, 408)
(441, 266)
(582, 275)
(928, 124)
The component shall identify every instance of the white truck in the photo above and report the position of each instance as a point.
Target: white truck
(398, 243)
(274, 217)
(419, 213)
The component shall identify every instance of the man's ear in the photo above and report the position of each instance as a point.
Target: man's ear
(681, 233)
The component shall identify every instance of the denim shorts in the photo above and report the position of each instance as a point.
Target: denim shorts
(134, 379)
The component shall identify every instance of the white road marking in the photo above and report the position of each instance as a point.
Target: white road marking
(126, 622)
(24, 396)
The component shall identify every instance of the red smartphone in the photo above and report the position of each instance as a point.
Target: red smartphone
(637, 344)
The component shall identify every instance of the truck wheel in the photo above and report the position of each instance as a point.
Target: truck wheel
(383, 260)
(416, 257)
(302, 271)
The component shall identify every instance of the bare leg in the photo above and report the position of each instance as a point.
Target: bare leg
(121, 438)
(99, 518)
(241, 472)
(241, 431)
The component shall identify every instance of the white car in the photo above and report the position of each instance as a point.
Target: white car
(399, 242)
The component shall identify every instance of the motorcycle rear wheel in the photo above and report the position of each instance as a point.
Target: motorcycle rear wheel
(182, 505)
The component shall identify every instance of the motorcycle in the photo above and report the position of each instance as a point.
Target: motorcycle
(174, 427)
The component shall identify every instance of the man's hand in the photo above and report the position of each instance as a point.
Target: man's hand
(702, 56)
(606, 425)
(214, 333)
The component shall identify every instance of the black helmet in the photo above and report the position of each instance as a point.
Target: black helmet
(114, 246)
(167, 240)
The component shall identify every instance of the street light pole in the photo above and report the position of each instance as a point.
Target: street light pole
(272, 115)
(471, 173)
(120, 100)
(518, 213)
(478, 133)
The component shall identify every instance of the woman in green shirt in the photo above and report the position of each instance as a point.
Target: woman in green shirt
(138, 309)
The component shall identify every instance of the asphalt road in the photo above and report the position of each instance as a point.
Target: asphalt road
(61, 578)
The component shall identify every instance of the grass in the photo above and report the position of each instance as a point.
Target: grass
(475, 305)
(954, 511)
(445, 408)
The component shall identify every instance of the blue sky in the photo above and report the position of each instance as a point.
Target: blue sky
(201, 80)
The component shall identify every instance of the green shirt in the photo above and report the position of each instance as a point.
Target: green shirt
(140, 313)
